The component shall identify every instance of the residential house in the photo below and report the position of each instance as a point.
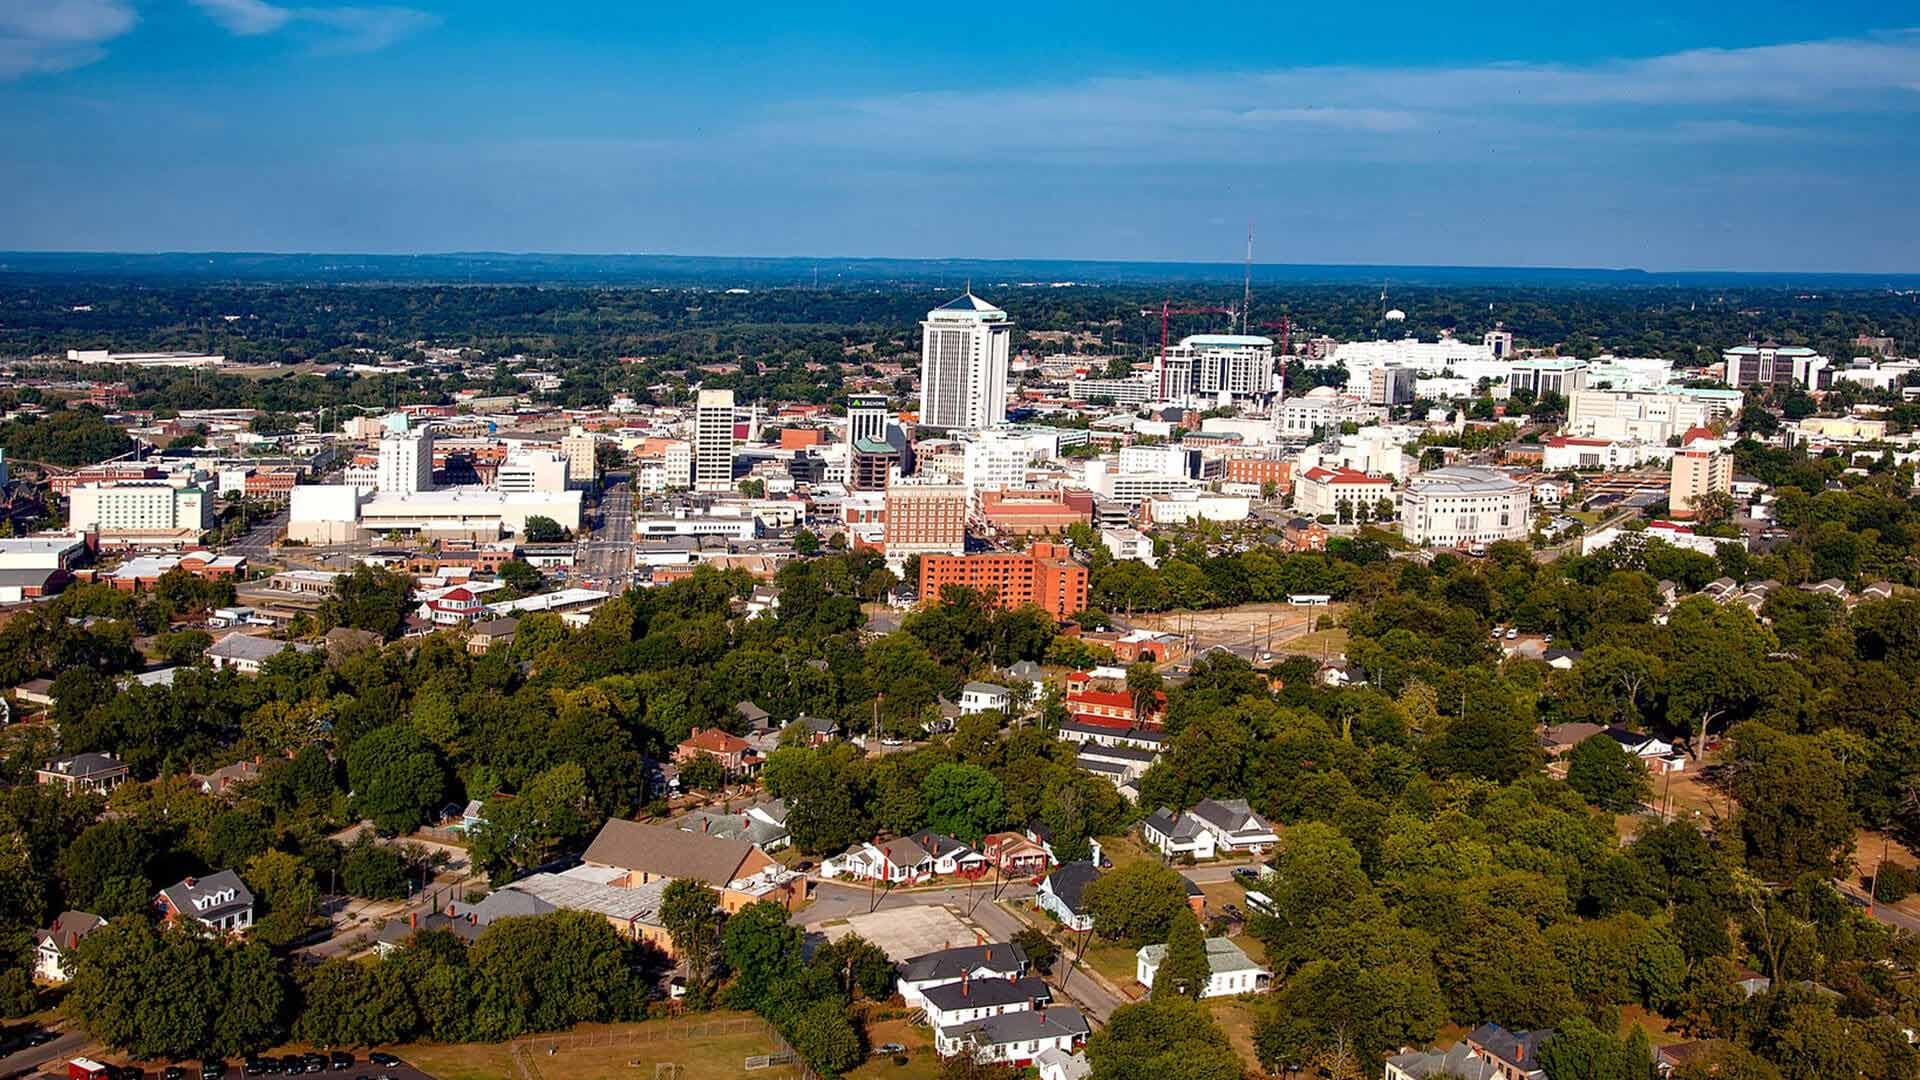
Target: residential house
(1175, 835)
(1229, 971)
(1515, 1054)
(224, 779)
(1108, 708)
(1098, 735)
(740, 872)
(1038, 832)
(246, 653)
(982, 697)
(734, 754)
(899, 860)
(1014, 854)
(985, 960)
(1057, 1064)
(764, 825)
(35, 692)
(1666, 1059)
(756, 718)
(489, 634)
(819, 730)
(53, 947)
(1016, 1038)
(1234, 825)
(219, 901)
(1063, 894)
(1558, 740)
(1458, 1062)
(463, 920)
(1655, 754)
(950, 855)
(954, 1008)
(456, 606)
(84, 774)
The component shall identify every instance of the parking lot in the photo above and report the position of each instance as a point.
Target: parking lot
(359, 1069)
(904, 931)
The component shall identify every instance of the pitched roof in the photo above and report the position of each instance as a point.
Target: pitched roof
(69, 927)
(715, 741)
(1069, 882)
(668, 852)
(1025, 1026)
(1223, 956)
(205, 898)
(1233, 815)
(1519, 1048)
(950, 963)
(985, 993)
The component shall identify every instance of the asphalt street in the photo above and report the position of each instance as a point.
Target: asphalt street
(606, 556)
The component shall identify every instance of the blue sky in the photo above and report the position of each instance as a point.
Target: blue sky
(1767, 136)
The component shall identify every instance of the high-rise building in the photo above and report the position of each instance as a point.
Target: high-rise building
(1780, 366)
(924, 519)
(713, 441)
(1391, 385)
(1499, 341)
(152, 508)
(867, 418)
(1698, 471)
(963, 365)
(579, 449)
(1215, 366)
(406, 457)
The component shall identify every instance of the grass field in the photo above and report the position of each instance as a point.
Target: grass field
(922, 1062)
(1237, 1018)
(608, 1052)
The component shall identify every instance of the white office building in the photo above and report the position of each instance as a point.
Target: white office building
(406, 457)
(1215, 367)
(528, 471)
(963, 365)
(1464, 505)
(1545, 375)
(713, 441)
(866, 418)
(995, 460)
(1628, 415)
(1609, 372)
(133, 509)
(1322, 409)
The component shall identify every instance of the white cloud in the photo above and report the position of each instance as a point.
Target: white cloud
(1381, 112)
(245, 17)
(40, 36)
(336, 29)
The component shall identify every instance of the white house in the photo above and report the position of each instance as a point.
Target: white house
(894, 860)
(991, 960)
(1056, 1064)
(53, 947)
(1230, 971)
(1063, 894)
(245, 653)
(1234, 825)
(982, 697)
(1173, 834)
(1018, 1038)
(950, 1005)
(219, 901)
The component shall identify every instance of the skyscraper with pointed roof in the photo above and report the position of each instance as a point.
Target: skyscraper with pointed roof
(963, 365)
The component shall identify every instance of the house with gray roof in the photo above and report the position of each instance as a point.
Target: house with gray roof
(1174, 834)
(764, 825)
(1230, 971)
(1234, 825)
(246, 653)
(84, 774)
(1016, 1038)
(219, 901)
(1063, 894)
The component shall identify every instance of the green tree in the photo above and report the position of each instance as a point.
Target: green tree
(288, 897)
(1608, 777)
(965, 801)
(825, 1037)
(1183, 970)
(397, 777)
(760, 947)
(1162, 1039)
(520, 576)
(1136, 903)
(541, 529)
(691, 913)
(369, 598)
(1795, 815)
(373, 870)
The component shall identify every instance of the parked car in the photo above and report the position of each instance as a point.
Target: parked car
(889, 1048)
(385, 1061)
(212, 1069)
(41, 1037)
(173, 1072)
(253, 1066)
(340, 1059)
(1246, 874)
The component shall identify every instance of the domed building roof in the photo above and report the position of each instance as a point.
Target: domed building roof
(1322, 392)
(1396, 315)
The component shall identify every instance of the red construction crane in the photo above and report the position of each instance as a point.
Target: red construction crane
(1166, 311)
(1285, 326)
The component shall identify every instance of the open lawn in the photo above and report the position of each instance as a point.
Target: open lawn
(704, 1046)
(1126, 848)
(1117, 962)
(1238, 1019)
(922, 1062)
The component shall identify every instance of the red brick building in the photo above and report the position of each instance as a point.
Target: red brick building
(1044, 575)
(1260, 471)
(1025, 511)
(731, 751)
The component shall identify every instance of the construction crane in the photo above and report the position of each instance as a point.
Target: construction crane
(1285, 326)
(1166, 311)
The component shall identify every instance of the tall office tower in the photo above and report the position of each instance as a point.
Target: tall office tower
(867, 418)
(1499, 341)
(713, 441)
(580, 450)
(963, 365)
(406, 457)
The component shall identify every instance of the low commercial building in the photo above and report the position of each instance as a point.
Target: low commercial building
(1464, 505)
(1321, 490)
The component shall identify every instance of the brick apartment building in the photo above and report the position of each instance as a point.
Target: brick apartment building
(1044, 575)
(1260, 471)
